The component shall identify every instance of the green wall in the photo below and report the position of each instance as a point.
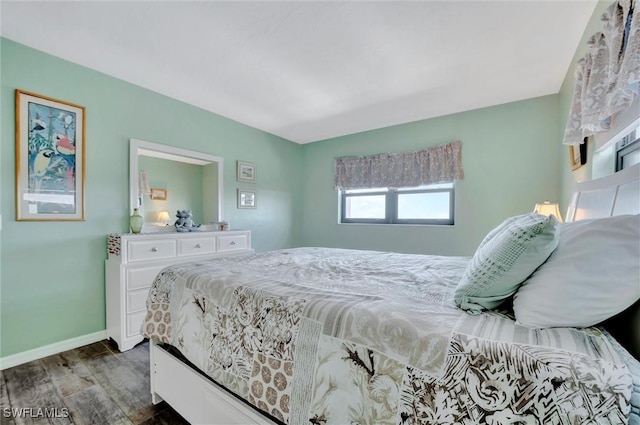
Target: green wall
(52, 273)
(508, 165)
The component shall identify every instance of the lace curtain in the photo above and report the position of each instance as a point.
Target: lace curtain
(437, 164)
(608, 77)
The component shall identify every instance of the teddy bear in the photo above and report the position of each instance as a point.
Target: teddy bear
(185, 223)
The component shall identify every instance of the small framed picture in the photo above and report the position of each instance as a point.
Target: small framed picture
(50, 159)
(158, 194)
(247, 198)
(246, 172)
(578, 155)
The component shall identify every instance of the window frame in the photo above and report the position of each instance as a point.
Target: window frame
(625, 146)
(391, 206)
(624, 150)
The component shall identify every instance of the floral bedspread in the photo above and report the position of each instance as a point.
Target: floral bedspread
(334, 336)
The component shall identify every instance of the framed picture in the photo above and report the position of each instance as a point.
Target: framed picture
(158, 194)
(246, 172)
(247, 198)
(50, 158)
(578, 155)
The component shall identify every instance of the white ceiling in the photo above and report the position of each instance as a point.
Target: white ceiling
(309, 71)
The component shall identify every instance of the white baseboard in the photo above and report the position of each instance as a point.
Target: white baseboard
(48, 350)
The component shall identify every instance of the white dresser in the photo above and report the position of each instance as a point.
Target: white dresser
(134, 260)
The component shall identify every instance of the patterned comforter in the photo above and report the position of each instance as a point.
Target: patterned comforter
(333, 336)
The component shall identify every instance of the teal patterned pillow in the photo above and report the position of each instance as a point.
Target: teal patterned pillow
(504, 259)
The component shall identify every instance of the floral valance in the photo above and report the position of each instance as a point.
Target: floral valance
(608, 77)
(437, 164)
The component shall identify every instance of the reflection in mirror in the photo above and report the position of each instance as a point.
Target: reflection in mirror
(163, 179)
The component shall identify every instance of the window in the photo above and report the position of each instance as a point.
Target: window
(432, 204)
(628, 149)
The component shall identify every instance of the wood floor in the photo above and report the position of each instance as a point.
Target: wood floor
(94, 384)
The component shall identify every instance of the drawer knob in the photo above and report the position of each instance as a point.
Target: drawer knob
(154, 249)
(232, 243)
(197, 245)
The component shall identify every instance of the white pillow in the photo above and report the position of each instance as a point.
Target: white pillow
(592, 275)
(504, 259)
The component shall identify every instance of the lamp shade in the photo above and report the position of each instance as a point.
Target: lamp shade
(548, 208)
(163, 217)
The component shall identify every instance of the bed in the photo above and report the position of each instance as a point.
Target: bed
(321, 336)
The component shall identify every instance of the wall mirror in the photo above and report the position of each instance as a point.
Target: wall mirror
(176, 179)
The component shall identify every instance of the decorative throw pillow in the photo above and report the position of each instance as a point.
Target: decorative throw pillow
(505, 258)
(593, 275)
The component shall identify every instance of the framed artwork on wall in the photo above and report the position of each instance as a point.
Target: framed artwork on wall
(50, 159)
(158, 194)
(578, 155)
(246, 172)
(247, 198)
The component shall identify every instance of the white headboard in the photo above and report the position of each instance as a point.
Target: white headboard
(616, 194)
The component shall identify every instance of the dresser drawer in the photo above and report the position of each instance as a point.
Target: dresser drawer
(232, 242)
(151, 250)
(196, 246)
(134, 323)
(141, 278)
(137, 300)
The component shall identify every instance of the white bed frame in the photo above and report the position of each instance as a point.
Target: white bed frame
(201, 401)
(197, 398)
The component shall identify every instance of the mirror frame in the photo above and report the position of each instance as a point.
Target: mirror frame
(139, 147)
